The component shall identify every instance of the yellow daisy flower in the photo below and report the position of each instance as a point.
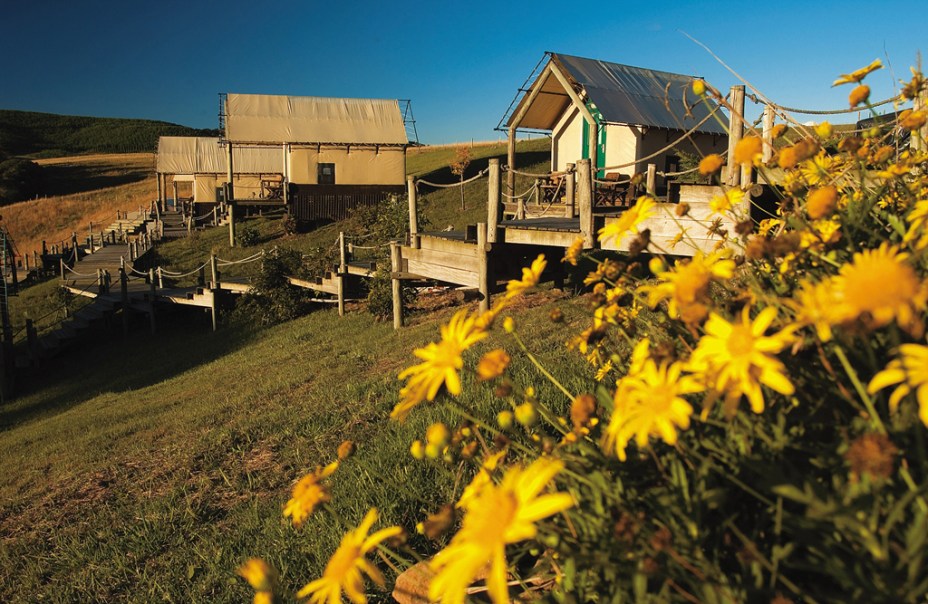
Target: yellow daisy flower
(856, 76)
(879, 286)
(736, 358)
(261, 577)
(648, 402)
(496, 516)
(308, 493)
(572, 255)
(530, 277)
(343, 571)
(686, 285)
(629, 220)
(721, 204)
(814, 305)
(441, 363)
(910, 371)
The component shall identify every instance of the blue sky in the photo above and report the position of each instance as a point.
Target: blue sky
(460, 62)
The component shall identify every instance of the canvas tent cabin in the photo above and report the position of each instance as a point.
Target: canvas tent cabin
(199, 166)
(615, 115)
(340, 153)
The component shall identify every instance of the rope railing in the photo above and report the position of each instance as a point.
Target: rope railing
(174, 275)
(760, 101)
(77, 274)
(253, 258)
(56, 311)
(477, 176)
(520, 195)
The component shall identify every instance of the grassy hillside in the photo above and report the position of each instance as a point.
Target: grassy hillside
(149, 468)
(49, 135)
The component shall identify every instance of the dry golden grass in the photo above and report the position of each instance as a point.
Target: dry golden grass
(88, 188)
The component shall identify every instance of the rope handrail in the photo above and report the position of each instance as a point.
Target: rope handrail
(187, 274)
(553, 199)
(546, 175)
(756, 99)
(370, 247)
(479, 175)
(520, 195)
(71, 270)
(202, 218)
(257, 256)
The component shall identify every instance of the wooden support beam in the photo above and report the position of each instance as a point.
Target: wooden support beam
(230, 199)
(177, 207)
(214, 268)
(585, 201)
(396, 265)
(920, 136)
(735, 133)
(413, 211)
(651, 182)
(768, 133)
(511, 162)
(483, 268)
(581, 107)
(342, 270)
(151, 299)
(493, 200)
(570, 183)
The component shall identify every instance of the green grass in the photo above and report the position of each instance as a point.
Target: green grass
(148, 468)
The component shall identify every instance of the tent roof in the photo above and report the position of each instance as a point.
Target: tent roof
(622, 95)
(205, 155)
(269, 119)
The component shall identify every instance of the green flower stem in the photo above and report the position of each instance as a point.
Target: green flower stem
(541, 368)
(456, 409)
(909, 482)
(861, 391)
(748, 544)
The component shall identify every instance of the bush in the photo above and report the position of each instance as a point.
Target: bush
(273, 299)
(20, 179)
(247, 235)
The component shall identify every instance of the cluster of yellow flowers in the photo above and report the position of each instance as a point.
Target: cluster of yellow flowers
(839, 262)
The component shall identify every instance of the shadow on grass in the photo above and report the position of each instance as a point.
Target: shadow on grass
(65, 179)
(445, 176)
(105, 361)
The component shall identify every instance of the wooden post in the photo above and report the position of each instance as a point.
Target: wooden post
(413, 212)
(124, 296)
(160, 278)
(652, 180)
(151, 299)
(190, 223)
(493, 200)
(213, 310)
(768, 133)
(735, 132)
(102, 240)
(100, 286)
(61, 262)
(396, 264)
(511, 161)
(483, 274)
(285, 175)
(570, 183)
(215, 216)
(201, 277)
(231, 225)
(214, 267)
(342, 273)
(585, 201)
(176, 205)
(160, 176)
(231, 198)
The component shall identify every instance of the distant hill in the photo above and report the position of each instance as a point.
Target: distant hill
(27, 133)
